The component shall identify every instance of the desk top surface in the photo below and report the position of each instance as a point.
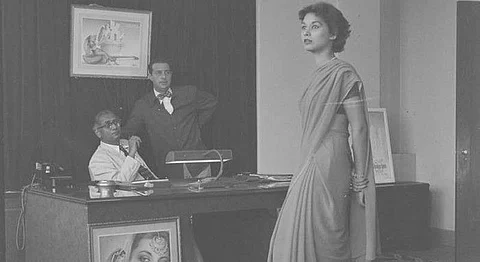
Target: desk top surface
(176, 189)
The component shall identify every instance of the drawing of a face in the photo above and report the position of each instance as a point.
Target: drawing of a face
(92, 41)
(151, 247)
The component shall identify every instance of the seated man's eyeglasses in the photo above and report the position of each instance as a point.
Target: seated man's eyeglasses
(111, 123)
(160, 72)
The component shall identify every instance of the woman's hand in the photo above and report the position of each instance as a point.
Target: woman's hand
(360, 197)
(117, 256)
(358, 184)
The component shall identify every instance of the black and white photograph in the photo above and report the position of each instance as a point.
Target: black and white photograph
(240, 130)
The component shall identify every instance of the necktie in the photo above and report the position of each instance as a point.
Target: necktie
(143, 171)
(167, 93)
(165, 99)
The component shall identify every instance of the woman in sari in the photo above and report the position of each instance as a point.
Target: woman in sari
(329, 212)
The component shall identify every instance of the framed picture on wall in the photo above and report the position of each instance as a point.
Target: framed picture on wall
(148, 240)
(381, 149)
(109, 42)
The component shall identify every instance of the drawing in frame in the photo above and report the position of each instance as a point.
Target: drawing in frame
(380, 143)
(109, 42)
(144, 240)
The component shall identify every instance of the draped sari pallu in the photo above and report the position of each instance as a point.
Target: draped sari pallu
(320, 219)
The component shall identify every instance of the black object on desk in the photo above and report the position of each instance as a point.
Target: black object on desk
(404, 214)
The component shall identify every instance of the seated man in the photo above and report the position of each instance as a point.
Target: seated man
(114, 161)
(115, 158)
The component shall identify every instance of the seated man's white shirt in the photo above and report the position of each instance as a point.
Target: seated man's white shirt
(110, 163)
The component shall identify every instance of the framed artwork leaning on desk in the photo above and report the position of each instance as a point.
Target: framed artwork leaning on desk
(381, 149)
(145, 240)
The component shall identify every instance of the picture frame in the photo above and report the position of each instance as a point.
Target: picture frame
(152, 240)
(109, 42)
(380, 144)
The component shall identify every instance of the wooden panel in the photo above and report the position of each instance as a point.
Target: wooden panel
(467, 217)
(404, 215)
(133, 210)
(56, 230)
(12, 213)
(235, 236)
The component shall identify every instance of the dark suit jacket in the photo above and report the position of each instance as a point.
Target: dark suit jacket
(179, 131)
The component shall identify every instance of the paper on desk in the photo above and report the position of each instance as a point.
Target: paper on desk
(274, 177)
(94, 193)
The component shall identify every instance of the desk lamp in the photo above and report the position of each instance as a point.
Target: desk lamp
(200, 156)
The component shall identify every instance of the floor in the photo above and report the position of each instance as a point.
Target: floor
(436, 254)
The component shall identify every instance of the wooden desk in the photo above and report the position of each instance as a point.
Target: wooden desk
(57, 224)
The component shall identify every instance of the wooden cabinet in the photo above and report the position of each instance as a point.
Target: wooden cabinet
(404, 215)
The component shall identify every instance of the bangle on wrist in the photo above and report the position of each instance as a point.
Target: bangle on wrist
(357, 176)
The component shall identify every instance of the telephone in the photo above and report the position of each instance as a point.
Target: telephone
(47, 169)
(51, 176)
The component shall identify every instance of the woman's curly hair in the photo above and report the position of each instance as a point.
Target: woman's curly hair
(336, 22)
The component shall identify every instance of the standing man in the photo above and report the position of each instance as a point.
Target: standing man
(172, 117)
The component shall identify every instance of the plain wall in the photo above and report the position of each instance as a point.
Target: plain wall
(283, 67)
(427, 99)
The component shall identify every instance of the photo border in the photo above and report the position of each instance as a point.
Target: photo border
(80, 69)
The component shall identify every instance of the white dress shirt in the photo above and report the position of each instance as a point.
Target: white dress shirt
(110, 163)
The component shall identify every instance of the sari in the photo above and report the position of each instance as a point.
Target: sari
(320, 220)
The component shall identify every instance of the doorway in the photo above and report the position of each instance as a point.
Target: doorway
(467, 221)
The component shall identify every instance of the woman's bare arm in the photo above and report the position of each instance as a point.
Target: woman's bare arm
(354, 109)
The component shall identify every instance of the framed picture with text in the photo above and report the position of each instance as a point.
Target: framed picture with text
(380, 143)
(109, 42)
(146, 240)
